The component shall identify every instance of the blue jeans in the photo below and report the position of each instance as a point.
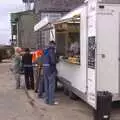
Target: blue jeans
(49, 82)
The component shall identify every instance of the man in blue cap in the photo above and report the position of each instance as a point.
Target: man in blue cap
(49, 71)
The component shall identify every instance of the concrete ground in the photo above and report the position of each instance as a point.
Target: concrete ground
(15, 105)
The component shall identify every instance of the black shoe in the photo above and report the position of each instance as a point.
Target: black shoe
(28, 88)
(32, 88)
(36, 91)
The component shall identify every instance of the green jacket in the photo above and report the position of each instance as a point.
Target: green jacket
(17, 64)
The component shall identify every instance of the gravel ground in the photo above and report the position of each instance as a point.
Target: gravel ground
(14, 104)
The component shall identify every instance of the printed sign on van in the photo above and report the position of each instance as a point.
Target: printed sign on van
(91, 92)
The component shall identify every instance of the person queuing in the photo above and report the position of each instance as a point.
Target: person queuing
(38, 62)
(40, 80)
(28, 69)
(17, 66)
(49, 71)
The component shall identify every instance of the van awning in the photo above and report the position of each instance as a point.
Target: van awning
(71, 15)
(45, 21)
(42, 23)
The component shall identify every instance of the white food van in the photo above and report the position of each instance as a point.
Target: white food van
(99, 68)
(99, 41)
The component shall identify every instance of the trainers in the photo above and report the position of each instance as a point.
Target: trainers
(56, 103)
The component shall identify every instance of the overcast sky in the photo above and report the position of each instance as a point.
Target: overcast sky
(6, 7)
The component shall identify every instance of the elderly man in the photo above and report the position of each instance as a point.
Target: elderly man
(17, 66)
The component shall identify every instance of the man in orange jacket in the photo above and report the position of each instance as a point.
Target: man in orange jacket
(38, 55)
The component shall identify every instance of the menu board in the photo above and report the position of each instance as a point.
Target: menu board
(91, 52)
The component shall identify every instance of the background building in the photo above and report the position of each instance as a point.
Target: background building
(56, 5)
(54, 9)
(22, 25)
(28, 4)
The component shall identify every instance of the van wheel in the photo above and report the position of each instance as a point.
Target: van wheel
(66, 91)
(0, 59)
(73, 96)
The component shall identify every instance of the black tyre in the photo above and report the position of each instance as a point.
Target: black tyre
(66, 91)
(73, 96)
(0, 59)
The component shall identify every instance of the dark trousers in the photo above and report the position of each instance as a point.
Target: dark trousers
(29, 78)
(41, 89)
(37, 84)
(38, 78)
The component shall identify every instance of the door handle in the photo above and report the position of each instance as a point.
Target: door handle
(119, 59)
(102, 55)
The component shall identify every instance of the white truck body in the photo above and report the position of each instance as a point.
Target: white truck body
(101, 21)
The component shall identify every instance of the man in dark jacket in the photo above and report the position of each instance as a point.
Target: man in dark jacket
(28, 69)
(49, 71)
